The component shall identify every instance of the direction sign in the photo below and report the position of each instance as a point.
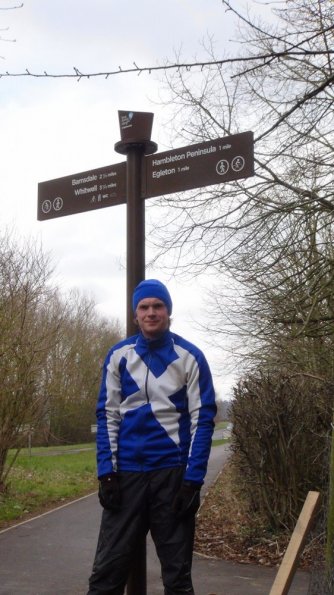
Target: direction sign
(194, 166)
(86, 191)
(212, 162)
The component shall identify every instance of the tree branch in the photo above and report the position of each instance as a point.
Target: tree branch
(149, 69)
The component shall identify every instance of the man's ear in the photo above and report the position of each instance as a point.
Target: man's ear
(135, 320)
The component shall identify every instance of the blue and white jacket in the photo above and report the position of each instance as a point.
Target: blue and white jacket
(156, 407)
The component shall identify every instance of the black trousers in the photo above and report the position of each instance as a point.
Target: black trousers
(146, 506)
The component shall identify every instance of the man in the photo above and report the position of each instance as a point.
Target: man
(155, 417)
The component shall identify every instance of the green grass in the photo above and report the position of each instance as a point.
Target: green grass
(221, 425)
(221, 441)
(38, 482)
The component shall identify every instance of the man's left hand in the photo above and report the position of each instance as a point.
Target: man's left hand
(187, 500)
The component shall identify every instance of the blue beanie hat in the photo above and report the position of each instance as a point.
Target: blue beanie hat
(152, 288)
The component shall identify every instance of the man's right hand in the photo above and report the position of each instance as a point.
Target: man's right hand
(109, 492)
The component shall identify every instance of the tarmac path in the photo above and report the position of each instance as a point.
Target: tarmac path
(52, 554)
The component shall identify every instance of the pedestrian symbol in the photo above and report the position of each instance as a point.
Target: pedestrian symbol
(58, 203)
(222, 167)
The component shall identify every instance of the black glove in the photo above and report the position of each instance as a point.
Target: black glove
(109, 492)
(187, 500)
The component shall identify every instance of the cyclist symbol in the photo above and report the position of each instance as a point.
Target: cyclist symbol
(238, 163)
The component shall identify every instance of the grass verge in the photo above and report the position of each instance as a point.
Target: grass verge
(47, 478)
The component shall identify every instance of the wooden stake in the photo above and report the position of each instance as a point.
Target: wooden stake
(288, 565)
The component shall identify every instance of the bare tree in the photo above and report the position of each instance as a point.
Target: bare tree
(278, 312)
(27, 331)
(51, 352)
(284, 93)
(72, 373)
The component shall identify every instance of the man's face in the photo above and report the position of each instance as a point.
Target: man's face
(152, 317)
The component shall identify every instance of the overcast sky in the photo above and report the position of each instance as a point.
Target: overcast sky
(51, 128)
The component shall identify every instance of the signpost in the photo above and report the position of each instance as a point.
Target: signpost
(145, 174)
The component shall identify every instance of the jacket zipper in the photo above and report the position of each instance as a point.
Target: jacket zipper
(146, 378)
